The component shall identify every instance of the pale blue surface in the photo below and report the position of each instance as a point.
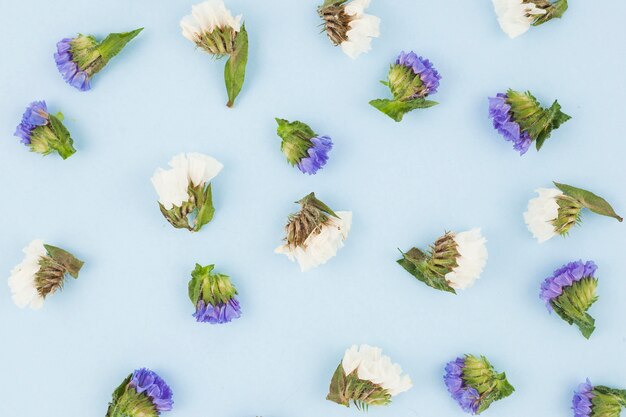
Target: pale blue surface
(441, 169)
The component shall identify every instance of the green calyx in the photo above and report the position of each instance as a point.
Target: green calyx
(408, 93)
(311, 217)
(336, 20)
(194, 213)
(211, 288)
(538, 121)
(431, 268)
(126, 402)
(479, 374)
(568, 214)
(553, 10)
(92, 56)
(296, 138)
(573, 303)
(52, 136)
(52, 270)
(589, 200)
(607, 402)
(345, 389)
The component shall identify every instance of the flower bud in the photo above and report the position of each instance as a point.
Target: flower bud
(213, 296)
(142, 394)
(303, 147)
(43, 132)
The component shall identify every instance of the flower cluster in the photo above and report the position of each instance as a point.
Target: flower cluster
(521, 120)
(303, 147)
(411, 80)
(185, 195)
(474, 384)
(348, 26)
(41, 273)
(43, 132)
(598, 401)
(455, 261)
(570, 291)
(79, 59)
(142, 394)
(367, 378)
(212, 27)
(556, 210)
(213, 296)
(315, 233)
(517, 16)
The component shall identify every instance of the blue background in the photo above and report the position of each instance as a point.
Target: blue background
(440, 169)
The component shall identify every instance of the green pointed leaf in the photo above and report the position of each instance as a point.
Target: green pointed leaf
(206, 209)
(555, 117)
(589, 200)
(63, 143)
(235, 69)
(311, 200)
(397, 109)
(415, 263)
(115, 42)
(338, 388)
(554, 10)
(69, 261)
(117, 395)
(195, 284)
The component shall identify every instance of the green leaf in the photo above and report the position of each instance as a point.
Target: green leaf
(63, 143)
(114, 43)
(328, 3)
(573, 303)
(589, 200)
(205, 210)
(397, 109)
(235, 69)
(554, 10)
(117, 394)
(311, 200)
(195, 284)
(415, 262)
(69, 261)
(338, 388)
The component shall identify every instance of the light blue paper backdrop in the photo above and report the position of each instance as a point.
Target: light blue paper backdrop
(441, 169)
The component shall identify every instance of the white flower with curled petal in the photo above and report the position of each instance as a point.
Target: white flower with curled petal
(22, 280)
(542, 212)
(362, 28)
(471, 260)
(207, 16)
(516, 16)
(377, 368)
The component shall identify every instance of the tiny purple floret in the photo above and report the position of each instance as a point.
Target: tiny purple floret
(422, 67)
(69, 69)
(503, 122)
(581, 403)
(318, 155)
(467, 397)
(563, 277)
(36, 114)
(217, 314)
(147, 382)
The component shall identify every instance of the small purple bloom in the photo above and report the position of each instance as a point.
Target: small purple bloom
(219, 313)
(467, 397)
(149, 383)
(70, 71)
(500, 112)
(36, 114)
(318, 155)
(581, 403)
(422, 67)
(563, 277)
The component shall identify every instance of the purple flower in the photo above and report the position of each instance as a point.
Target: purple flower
(563, 277)
(581, 403)
(69, 69)
(219, 313)
(149, 383)
(500, 112)
(318, 155)
(36, 114)
(422, 67)
(467, 397)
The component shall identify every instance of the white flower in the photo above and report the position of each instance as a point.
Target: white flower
(542, 211)
(318, 248)
(372, 365)
(206, 17)
(362, 28)
(515, 16)
(471, 260)
(22, 280)
(172, 184)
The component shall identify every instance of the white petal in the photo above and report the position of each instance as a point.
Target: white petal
(542, 211)
(516, 17)
(209, 15)
(22, 280)
(202, 168)
(351, 360)
(362, 30)
(190, 28)
(471, 261)
(171, 185)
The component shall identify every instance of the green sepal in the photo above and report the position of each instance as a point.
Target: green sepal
(328, 3)
(63, 143)
(114, 43)
(296, 139)
(479, 374)
(553, 10)
(311, 201)
(397, 109)
(608, 402)
(211, 288)
(349, 388)
(203, 198)
(573, 303)
(193, 214)
(534, 119)
(589, 200)
(416, 263)
(71, 264)
(117, 394)
(235, 69)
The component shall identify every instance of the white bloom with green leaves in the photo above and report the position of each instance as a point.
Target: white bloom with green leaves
(517, 16)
